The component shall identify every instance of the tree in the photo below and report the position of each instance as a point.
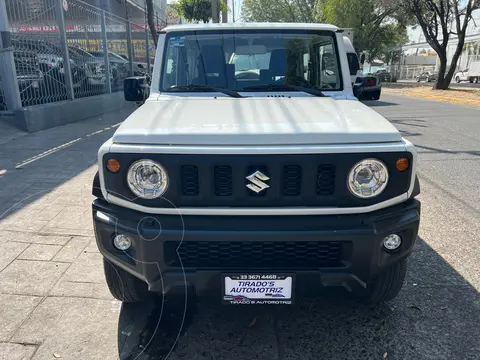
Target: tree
(439, 19)
(197, 10)
(280, 10)
(378, 25)
(151, 21)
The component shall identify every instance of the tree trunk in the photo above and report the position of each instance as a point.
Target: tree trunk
(151, 22)
(440, 82)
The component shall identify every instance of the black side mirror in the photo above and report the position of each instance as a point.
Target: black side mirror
(136, 88)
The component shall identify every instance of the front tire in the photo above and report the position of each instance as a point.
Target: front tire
(457, 79)
(475, 80)
(124, 286)
(387, 286)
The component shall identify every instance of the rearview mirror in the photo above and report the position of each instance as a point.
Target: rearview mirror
(136, 88)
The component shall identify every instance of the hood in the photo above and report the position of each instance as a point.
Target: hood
(254, 121)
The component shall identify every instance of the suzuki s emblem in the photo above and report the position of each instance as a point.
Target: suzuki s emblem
(257, 181)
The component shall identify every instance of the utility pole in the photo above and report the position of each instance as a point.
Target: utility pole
(215, 12)
(233, 10)
(225, 11)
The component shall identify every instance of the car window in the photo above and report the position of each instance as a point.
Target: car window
(251, 57)
(353, 64)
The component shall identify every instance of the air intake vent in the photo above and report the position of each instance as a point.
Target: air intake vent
(292, 180)
(189, 180)
(325, 180)
(223, 180)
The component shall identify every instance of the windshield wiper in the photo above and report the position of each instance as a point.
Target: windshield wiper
(198, 87)
(286, 87)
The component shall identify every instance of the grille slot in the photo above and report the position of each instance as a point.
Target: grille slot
(223, 180)
(325, 180)
(292, 180)
(254, 254)
(190, 186)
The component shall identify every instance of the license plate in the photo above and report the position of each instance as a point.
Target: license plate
(257, 289)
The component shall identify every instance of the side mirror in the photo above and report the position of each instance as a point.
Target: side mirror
(136, 88)
(140, 66)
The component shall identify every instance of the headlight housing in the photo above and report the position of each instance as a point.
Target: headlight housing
(368, 178)
(147, 179)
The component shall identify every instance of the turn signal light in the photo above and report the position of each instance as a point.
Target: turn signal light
(402, 164)
(113, 165)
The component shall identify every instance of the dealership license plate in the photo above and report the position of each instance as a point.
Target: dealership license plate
(257, 289)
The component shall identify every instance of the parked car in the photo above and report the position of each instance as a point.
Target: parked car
(29, 77)
(91, 67)
(384, 75)
(427, 76)
(51, 63)
(461, 76)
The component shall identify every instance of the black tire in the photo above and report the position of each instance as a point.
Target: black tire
(475, 80)
(418, 80)
(387, 286)
(470, 80)
(124, 286)
(457, 79)
(376, 94)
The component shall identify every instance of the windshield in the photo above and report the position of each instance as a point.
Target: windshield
(244, 60)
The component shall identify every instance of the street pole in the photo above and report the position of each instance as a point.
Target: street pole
(215, 12)
(105, 53)
(225, 11)
(130, 48)
(7, 68)
(63, 43)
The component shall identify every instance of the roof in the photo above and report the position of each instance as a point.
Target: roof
(247, 26)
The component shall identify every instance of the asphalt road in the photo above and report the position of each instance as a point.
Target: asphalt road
(437, 314)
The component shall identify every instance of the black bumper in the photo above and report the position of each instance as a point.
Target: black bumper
(333, 250)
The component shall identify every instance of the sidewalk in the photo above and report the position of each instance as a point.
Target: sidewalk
(54, 302)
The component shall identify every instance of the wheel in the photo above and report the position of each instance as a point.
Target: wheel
(457, 79)
(475, 80)
(470, 80)
(376, 94)
(418, 79)
(387, 286)
(124, 286)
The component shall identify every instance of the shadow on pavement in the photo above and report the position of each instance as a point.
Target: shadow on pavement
(36, 164)
(377, 103)
(435, 316)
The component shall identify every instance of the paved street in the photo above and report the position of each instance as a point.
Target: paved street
(54, 302)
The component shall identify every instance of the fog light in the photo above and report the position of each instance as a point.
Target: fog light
(392, 242)
(122, 242)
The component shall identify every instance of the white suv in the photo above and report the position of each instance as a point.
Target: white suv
(254, 188)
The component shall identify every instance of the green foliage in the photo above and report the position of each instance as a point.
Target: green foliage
(197, 10)
(378, 24)
(280, 10)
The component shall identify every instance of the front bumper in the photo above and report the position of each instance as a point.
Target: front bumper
(333, 250)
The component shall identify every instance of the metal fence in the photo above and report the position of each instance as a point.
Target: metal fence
(409, 72)
(66, 49)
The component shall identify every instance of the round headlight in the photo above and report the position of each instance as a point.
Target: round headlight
(147, 179)
(368, 178)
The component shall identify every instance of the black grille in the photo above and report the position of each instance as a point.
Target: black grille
(223, 180)
(189, 180)
(254, 254)
(295, 180)
(325, 180)
(292, 180)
